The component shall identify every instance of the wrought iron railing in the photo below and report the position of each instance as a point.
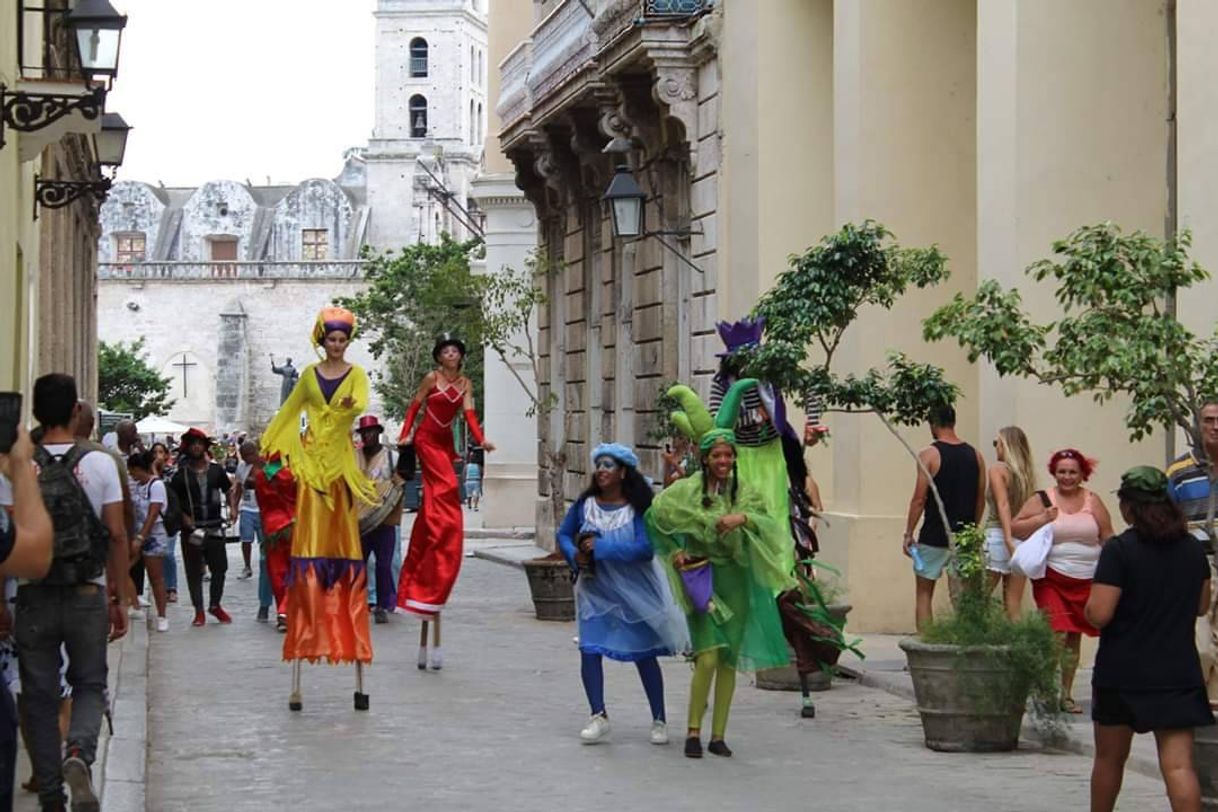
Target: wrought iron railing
(338, 269)
(675, 8)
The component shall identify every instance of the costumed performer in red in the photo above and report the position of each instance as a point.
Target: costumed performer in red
(327, 584)
(436, 540)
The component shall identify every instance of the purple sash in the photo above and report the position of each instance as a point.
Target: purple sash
(698, 583)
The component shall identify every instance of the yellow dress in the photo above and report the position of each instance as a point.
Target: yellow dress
(327, 583)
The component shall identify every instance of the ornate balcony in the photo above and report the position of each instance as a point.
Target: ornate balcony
(514, 97)
(675, 8)
(563, 45)
(208, 271)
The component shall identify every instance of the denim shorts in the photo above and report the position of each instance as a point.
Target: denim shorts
(156, 546)
(251, 527)
(934, 559)
(997, 556)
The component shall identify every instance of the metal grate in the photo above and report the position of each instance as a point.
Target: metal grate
(674, 8)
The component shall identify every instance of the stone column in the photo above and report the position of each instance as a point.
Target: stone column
(232, 370)
(510, 477)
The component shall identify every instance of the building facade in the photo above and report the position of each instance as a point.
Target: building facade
(991, 129)
(47, 255)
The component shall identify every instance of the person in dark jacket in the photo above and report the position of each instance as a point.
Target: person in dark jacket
(201, 486)
(1150, 584)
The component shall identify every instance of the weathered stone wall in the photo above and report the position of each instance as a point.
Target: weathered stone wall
(177, 317)
(218, 208)
(129, 208)
(315, 203)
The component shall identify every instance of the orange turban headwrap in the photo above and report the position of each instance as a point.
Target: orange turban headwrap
(331, 319)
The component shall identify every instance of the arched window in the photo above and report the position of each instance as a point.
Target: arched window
(473, 66)
(481, 134)
(418, 58)
(473, 124)
(418, 117)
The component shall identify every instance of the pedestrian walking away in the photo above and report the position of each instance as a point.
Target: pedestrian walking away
(727, 560)
(249, 522)
(958, 471)
(1081, 524)
(1010, 482)
(433, 558)
(1150, 583)
(78, 606)
(201, 485)
(327, 585)
(623, 600)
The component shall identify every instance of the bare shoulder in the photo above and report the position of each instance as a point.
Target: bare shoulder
(930, 458)
(430, 379)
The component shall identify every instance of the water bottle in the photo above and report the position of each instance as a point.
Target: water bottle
(919, 564)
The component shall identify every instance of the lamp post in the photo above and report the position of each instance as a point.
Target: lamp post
(626, 198)
(99, 32)
(110, 145)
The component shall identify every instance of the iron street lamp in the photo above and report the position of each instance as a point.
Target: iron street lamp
(110, 144)
(625, 198)
(99, 32)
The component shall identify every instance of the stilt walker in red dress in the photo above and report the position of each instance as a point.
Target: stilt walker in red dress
(433, 559)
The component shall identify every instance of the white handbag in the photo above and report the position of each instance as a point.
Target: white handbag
(1032, 553)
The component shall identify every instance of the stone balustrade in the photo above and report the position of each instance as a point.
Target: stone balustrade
(207, 271)
(514, 97)
(563, 44)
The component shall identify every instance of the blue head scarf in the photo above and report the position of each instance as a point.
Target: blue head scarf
(617, 451)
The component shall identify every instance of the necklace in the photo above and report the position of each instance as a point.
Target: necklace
(449, 380)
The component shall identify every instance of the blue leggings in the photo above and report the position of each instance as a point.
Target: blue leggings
(593, 673)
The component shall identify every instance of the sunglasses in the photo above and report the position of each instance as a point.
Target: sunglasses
(607, 464)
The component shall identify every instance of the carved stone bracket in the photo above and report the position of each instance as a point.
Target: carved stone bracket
(676, 89)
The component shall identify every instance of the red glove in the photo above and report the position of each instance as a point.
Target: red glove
(472, 420)
(408, 423)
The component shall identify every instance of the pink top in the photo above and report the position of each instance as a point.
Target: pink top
(1076, 539)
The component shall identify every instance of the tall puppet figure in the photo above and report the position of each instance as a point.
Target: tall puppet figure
(327, 599)
(436, 540)
(727, 559)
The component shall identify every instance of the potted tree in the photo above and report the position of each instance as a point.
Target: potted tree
(1119, 335)
(808, 311)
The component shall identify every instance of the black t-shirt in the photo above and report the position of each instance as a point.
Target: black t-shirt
(1149, 644)
(199, 493)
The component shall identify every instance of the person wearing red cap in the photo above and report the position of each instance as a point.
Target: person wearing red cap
(433, 558)
(201, 485)
(378, 523)
(327, 584)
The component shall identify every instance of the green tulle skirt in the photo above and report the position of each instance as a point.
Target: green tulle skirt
(749, 567)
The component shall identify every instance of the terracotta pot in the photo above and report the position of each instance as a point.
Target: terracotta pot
(551, 588)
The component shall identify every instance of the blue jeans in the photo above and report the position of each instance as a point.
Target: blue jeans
(171, 567)
(47, 617)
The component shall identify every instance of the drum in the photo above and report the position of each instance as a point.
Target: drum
(373, 516)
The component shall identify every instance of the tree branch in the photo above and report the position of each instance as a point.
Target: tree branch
(930, 480)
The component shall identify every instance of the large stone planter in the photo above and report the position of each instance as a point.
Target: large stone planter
(787, 677)
(969, 699)
(1205, 760)
(551, 588)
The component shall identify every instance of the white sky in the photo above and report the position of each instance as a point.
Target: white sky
(243, 89)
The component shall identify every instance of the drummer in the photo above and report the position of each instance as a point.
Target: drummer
(378, 524)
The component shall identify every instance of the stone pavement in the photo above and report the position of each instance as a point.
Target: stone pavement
(497, 729)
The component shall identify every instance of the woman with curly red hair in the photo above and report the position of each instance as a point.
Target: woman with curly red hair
(1081, 524)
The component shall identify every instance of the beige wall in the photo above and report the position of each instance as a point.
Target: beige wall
(508, 24)
(19, 240)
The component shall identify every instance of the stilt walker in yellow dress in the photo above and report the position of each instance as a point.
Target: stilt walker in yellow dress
(327, 582)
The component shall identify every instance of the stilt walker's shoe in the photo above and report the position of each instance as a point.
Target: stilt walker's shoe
(422, 661)
(361, 701)
(295, 703)
(596, 730)
(693, 747)
(435, 659)
(718, 747)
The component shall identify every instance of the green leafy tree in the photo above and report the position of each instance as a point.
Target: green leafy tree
(413, 296)
(816, 300)
(127, 383)
(1116, 336)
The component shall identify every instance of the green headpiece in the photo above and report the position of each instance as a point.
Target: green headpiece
(695, 422)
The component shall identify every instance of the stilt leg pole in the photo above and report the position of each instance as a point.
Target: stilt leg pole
(295, 700)
(422, 661)
(435, 659)
(361, 698)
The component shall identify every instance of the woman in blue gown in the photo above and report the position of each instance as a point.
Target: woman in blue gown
(623, 602)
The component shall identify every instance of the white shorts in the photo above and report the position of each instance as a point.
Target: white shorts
(997, 557)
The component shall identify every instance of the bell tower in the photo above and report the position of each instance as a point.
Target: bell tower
(430, 115)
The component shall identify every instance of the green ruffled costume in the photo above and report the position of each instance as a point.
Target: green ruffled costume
(749, 566)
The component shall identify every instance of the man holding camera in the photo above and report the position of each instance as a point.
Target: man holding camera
(201, 485)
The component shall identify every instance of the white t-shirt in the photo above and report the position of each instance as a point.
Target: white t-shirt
(97, 474)
(249, 500)
(145, 496)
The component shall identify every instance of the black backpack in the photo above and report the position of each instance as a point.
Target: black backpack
(172, 515)
(82, 542)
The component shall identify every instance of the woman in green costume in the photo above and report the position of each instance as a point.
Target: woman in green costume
(713, 519)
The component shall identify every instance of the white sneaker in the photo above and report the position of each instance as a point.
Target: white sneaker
(659, 732)
(597, 729)
(135, 614)
(143, 602)
(162, 624)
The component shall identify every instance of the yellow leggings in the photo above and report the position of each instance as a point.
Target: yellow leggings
(707, 668)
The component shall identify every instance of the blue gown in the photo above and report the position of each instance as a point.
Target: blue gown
(625, 608)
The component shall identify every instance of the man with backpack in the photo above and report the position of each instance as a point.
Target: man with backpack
(201, 485)
(80, 604)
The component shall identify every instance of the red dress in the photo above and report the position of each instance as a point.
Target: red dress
(433, 559)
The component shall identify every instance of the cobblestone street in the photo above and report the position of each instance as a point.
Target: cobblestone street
(497, 729)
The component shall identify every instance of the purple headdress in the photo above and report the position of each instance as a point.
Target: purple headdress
(740, 334)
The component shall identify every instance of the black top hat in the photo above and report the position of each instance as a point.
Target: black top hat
(447, 340)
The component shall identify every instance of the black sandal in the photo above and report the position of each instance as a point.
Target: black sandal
(693, 747)
(718, 747)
